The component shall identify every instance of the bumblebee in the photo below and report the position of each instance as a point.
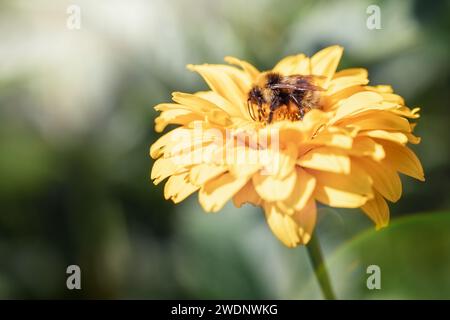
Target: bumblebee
(283, 97)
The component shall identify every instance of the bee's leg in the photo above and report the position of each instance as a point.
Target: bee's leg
(250, 110)
(274, 105)
(297, 98)
(270, 116)
(302, 112)
(260, 110)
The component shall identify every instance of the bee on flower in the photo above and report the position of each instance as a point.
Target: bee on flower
(286, 139)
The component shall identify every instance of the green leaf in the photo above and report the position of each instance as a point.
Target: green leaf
(413, 254)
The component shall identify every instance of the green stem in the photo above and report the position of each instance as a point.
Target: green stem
(318, 264)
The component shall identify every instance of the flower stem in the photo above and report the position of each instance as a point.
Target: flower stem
(318, 264)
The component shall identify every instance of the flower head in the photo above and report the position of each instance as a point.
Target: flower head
(320, 136)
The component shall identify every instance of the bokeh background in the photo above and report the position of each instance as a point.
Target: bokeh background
(76, 123)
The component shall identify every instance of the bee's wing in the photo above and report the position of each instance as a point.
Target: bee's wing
(297, 87)
(298, 82)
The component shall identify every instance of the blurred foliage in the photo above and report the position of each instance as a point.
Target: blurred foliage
(76, 122)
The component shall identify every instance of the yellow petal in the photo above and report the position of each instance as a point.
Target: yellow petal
(229, 82)
(412, 138)
(325, 62)
(313, 120)
(378, 120)
(343, 190)
(201, 106)
(271, 188)
(327, 159)
(183, 143)
(296, 64)
(177, 116)
(385, 180)
(406, 112)
(216, 192)
(247, 194)
(295, 132)
(163, 168)
(251, 71)
(245, 168)
(301, 193)
(365, 146)
(352, 72)
(306, 220)
(347, 78)
(331, 137)
(168, 141)
(282, 225)
(221, 102)
(377, 210)
(193, 102)
(386, 135)
(334, 102)
(382, 88)
(178, 188)
(283, 162)
(283, 130)
(339, 198)
(358, 102)
(291, 230)
(204, 172)
(394, 98)
(402, 159)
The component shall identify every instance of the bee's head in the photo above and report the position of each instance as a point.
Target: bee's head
(255, 96)
(254, 101)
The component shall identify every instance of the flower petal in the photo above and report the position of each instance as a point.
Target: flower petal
(231, 83)
(327, 159)
(386, 135)
(325, 62)
(216, 192)
(273, 188)
(176, 116)
(178, 187)
(251, 71)
(402, 159)
(221, 102)
(247, 194)
(164, 168)
(301, 193)
(365, 146)
(331, 137)
(283, 161)
(295, 229)
(385, 180)
(358, 102)
(202, 173)
(347, 78)
(377, 210)
(296, 64)
(378, 120)
(170, 140)
(343, 190)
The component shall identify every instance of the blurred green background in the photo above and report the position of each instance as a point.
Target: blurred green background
(76, 123)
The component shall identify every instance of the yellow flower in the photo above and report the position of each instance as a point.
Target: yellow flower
(345, 152)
